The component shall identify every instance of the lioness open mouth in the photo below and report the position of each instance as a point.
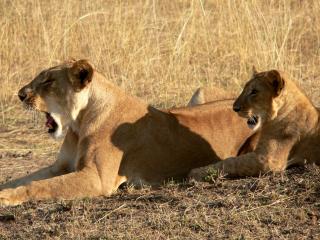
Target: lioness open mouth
(253, 121)
(51, 123)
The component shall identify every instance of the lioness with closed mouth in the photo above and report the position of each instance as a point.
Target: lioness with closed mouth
(290, 127)
(114, 138)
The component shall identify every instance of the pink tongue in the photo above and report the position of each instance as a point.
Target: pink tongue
(49, 122)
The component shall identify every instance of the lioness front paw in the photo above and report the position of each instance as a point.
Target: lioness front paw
(204, 173)
(198, 173)
(218, 165)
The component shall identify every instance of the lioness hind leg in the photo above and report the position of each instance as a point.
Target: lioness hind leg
(85, 183)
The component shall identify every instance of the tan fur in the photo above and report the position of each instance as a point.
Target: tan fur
(289, 134)
(114, 138)
(210, 94)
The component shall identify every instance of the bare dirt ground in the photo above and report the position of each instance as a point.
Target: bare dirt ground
(283, 206)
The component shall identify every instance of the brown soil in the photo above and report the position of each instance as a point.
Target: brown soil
(282, 206)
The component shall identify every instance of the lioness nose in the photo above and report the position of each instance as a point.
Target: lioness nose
(236, 108)
(22, 94)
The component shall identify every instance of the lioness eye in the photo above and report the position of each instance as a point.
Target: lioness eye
(254, 92)
(48, 81)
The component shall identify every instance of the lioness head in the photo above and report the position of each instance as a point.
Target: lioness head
(60, 92)
(256, 102)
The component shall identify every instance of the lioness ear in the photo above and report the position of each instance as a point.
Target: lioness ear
(81, 73)
(70, 60)
(254, 70)
(277, 82)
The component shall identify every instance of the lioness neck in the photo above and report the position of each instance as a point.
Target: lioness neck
(104, 98)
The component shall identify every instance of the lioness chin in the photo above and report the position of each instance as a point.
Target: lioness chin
(114, 138)
(290, 127)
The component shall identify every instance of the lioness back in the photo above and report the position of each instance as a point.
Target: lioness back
(217, 124)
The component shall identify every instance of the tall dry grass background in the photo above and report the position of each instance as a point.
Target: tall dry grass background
(160, 50)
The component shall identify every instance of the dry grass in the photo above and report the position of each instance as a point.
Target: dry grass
(160, 51)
